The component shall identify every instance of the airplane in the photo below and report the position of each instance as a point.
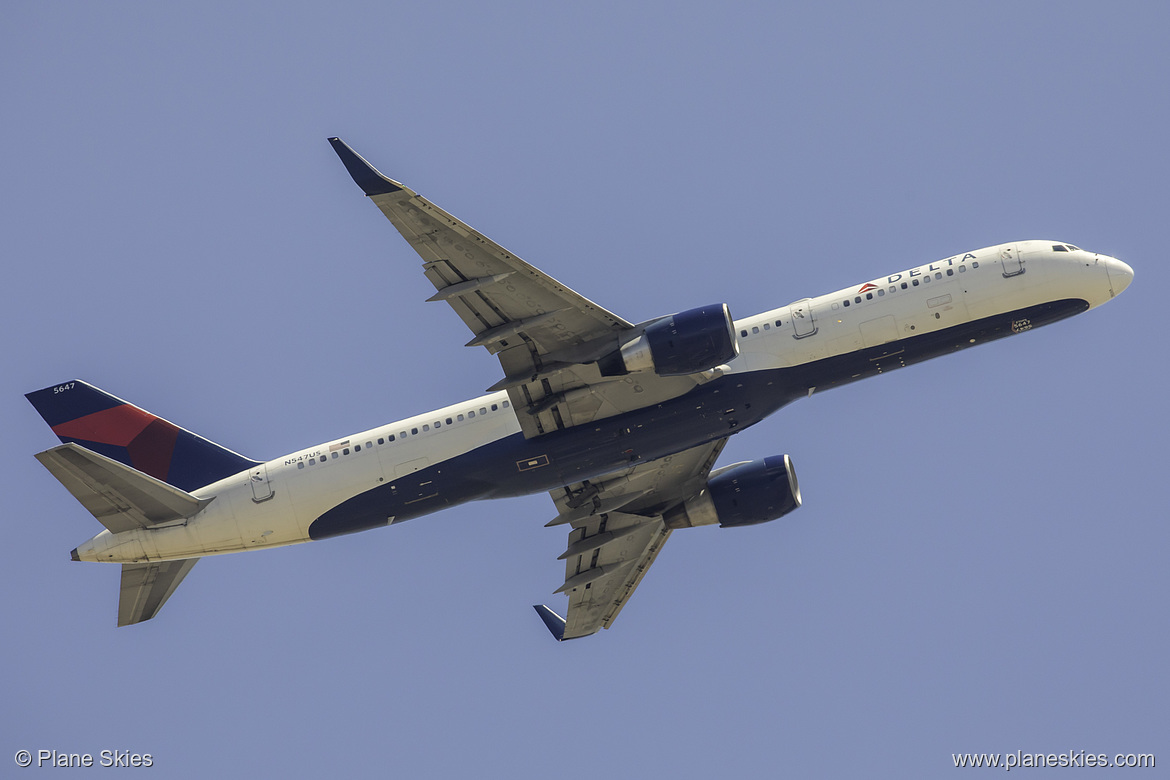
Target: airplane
(620, 422)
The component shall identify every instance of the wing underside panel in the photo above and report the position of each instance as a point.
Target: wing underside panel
(607, 576)
(617, 532)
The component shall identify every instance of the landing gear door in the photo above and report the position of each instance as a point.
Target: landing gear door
(1009, 257)
(803, 323)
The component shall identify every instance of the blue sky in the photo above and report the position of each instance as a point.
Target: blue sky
(980, 563)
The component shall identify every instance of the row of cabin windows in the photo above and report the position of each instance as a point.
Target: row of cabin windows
(869, 296)
(413, 432)
(907, 285)
(756, 329)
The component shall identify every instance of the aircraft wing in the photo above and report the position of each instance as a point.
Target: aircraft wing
(617, 533)
(545, 335)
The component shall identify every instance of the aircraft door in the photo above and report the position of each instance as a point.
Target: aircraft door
(803, 323)
(261, 488)
(1009, 256)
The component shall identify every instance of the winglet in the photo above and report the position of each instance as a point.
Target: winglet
(555, 623)
(367, 176)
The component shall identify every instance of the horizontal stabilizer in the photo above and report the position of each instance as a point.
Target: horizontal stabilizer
(554, 622)
(120, 497)
(147, 586)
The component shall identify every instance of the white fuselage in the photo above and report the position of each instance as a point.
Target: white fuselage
(274, 504)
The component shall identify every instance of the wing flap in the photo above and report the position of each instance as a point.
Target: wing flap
(147, 586)
(121, 498)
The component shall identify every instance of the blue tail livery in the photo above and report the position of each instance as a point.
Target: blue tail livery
(79, 412)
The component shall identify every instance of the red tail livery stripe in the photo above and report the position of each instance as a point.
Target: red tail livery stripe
(79, 412)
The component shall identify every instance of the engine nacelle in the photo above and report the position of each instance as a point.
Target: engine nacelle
(756, 491)
(685, 343)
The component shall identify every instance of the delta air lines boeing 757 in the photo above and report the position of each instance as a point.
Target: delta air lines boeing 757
(621, 423)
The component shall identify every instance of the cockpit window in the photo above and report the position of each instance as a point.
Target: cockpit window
(1059, 248)
(1072, 248)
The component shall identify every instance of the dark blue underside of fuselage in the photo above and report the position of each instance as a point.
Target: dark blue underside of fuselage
(709, 412)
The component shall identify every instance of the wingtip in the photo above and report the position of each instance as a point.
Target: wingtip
(364, 175)
(554, 622)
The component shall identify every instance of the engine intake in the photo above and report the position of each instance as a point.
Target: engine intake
(685, 343)
(757, 491)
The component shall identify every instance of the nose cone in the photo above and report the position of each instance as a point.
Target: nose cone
(1120, 275)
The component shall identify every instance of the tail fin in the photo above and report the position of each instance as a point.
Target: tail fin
(79, 412)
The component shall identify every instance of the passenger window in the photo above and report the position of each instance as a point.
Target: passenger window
(301, 465)
(926, 278)
(369, 444)
(312, 461)
(459, 418)
(869, 296)
(835, 307)
(448, 420)
(962, 269)
(414, 431)
(904, 285)
(778, 323)
(470, 414)
(345, 451)
(857, 299)
(483, 410)
(426, 427)
(333, 455)
(494, 407)
(767, 326)
(743, 333)
(506, 404)
(402, 435)
(391, 437)
(938, 275)
(357, 448)
(755, 330)
(881, 293)
(974, 263)
(438, 425)
(381, 440)
(846, 303)
(914, 282)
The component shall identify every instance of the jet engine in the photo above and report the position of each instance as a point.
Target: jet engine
(685, 343)
(747, 493)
